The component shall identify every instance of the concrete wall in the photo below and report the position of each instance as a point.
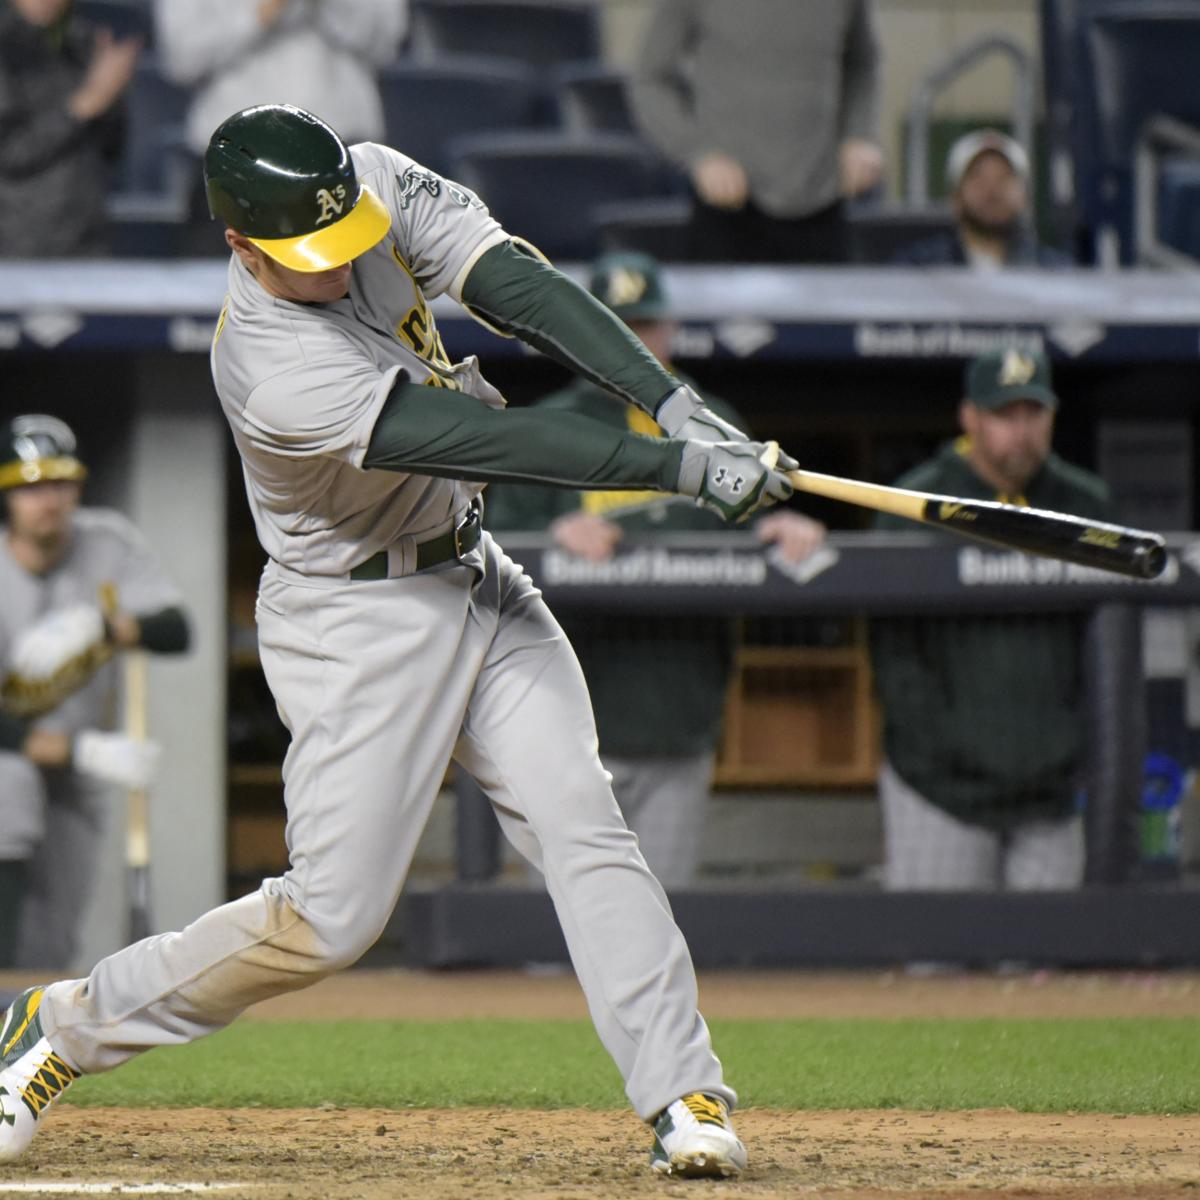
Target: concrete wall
(174, 472)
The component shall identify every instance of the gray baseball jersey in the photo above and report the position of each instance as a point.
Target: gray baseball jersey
(57, 816)
(302, 385)
(382, 680)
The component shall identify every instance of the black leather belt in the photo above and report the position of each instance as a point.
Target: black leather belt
(447, 547)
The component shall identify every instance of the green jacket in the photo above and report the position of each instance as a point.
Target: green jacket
(983, 714)
(657, 683)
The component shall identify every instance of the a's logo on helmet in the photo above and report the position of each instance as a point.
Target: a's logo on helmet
(331, 203)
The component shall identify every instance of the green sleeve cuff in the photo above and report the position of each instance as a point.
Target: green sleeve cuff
(524, 296)
(164, 632)
(434, 431)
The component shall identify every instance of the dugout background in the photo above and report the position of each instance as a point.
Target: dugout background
(151, 432)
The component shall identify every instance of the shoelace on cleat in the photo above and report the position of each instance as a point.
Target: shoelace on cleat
(706, 1109)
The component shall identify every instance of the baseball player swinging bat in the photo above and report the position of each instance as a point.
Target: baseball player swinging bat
(1133, 552)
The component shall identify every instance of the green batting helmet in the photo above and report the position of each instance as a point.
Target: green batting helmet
(284, 179)
(38, 449)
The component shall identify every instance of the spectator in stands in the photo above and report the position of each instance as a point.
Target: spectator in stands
(60, 127)
(988, 181)
(79, 586)
(983, 735)
(657, 683)
(320, 55)
(773, 111)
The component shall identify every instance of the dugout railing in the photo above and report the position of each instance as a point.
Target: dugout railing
(1129, 911)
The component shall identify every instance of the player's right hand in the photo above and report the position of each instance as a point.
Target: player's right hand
(115, 758)
(735, 479)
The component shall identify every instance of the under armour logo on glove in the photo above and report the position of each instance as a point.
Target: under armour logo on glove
(736, 483)
(734, 478)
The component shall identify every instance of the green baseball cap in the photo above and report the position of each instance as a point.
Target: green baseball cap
(1001, 376)
(629, 283)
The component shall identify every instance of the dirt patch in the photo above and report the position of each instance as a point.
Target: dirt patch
(358, 1154)
(450, 995)
(361, 1154)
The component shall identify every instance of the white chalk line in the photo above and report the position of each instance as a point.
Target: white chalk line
(116, 1189)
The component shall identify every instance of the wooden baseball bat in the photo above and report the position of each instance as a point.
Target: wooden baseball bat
(1134, 552)
(137, 804)
(137, 800)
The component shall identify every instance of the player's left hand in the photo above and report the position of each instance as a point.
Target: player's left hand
(683, 414)
(860, 166)
(794, 535)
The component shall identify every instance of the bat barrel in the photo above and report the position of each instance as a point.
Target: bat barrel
(1133, 552)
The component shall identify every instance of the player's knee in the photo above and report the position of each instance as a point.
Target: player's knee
(344, 935)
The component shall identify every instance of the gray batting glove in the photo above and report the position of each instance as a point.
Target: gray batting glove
(115, 758)
(733, 479)
(684, 415)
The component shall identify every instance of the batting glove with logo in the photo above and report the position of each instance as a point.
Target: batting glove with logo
(115, 758)
(735, 479)
(684, 415)
(58, 638)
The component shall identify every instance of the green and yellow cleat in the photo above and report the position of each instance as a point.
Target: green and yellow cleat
(694, 1139)
(32, 1076)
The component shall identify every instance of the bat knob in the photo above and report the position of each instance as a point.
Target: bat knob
(1150, 560)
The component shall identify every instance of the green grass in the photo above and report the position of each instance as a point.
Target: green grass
(1117, 1066)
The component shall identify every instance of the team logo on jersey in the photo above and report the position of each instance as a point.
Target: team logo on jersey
(331, 203)
(414, 181)
(1017, 369)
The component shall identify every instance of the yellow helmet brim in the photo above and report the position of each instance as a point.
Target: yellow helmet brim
(22, 472)
(362, 227)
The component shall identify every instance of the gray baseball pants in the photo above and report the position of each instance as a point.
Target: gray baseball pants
(380, 684)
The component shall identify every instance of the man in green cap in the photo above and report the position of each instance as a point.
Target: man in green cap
(657, 683)
(983, 734)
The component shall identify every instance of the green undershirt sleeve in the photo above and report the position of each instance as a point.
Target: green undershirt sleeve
(434, 431)
(519, 294)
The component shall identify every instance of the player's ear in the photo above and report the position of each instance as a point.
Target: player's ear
(242, 246)
(968, 417)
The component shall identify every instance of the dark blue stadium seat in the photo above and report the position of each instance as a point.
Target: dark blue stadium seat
(426, 104)
(155, 109)
(1136, 59)
(658, 226)
(544, 186)
(543, 33)
(592, 98)
(1179, 206)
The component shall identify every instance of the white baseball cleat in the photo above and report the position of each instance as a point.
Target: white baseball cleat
(32, 1076)
(694, 1139)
